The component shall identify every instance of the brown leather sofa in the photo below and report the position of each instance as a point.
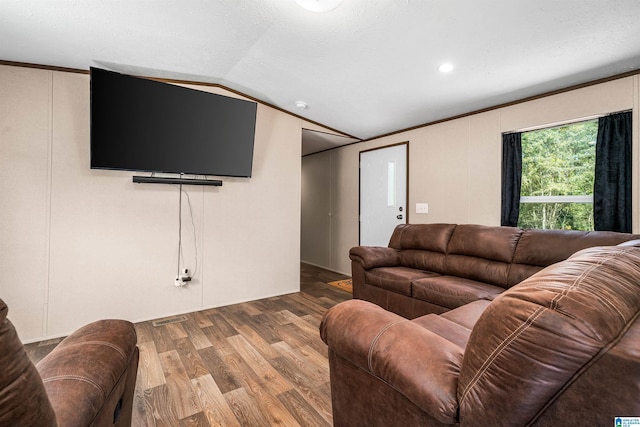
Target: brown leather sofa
(433, 268)
(560, 348)
(87, 380)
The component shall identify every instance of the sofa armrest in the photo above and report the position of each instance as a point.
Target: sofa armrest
(416, 362)
(375, 256)
(90, 375)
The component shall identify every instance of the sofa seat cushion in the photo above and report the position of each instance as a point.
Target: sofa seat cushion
(468, 314)
(396, 279)
(453, 332)
(452, 291)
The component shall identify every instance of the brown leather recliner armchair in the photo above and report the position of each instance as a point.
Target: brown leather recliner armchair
(560, 348)
(87, 380)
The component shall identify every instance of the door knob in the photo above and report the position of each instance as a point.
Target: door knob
(399, 216)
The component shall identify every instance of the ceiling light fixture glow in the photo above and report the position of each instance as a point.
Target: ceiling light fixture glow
(446, 67)
(301, 105)
(319, 5)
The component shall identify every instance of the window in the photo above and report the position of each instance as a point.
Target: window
(575, 176)
(558, 168)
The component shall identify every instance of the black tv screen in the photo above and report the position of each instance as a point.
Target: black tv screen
(139, 124)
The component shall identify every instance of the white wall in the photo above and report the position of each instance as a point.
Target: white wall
(455, 165)
(78, 245)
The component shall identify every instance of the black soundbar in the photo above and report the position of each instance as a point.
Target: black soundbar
(184, 181)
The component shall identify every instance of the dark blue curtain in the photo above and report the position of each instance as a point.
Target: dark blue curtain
(511, 178)
(612, 184)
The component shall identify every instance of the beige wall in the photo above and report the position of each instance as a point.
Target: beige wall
(79, 244)
(315, 246)
(455, 166)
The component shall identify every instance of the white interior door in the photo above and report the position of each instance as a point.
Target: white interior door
(383, 193)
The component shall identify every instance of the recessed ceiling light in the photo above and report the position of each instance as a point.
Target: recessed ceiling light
(301, 105)
(319, 5)
(446, 67)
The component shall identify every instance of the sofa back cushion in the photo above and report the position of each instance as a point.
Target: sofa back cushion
(427, 237)
(482, 253)
(537, 249)
(500, 256)
(423, 260)
(422, 246)
(543, 334)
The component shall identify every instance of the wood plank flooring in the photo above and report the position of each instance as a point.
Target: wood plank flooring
(260, 363)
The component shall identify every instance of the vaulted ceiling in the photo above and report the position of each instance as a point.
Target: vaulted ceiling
(366, 68)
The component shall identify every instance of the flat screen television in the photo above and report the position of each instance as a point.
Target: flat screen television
(139, 124)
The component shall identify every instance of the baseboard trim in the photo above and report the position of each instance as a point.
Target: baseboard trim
(325, 267)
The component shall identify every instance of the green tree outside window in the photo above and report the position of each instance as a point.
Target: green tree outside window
(558, 167)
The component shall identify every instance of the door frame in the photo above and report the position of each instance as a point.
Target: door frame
(406, 217)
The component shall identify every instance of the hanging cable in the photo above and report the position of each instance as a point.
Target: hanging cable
(195, 237)
(179, 230)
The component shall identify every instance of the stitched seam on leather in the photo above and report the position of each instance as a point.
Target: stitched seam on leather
(578, 281)
(499, 349)
(360, 368)
(529, 322)
(460, 295)
(533, 317)
(586, 367)
(75, 378)
(105, 343)
(576, 284)
(603, 297)
(375, 341)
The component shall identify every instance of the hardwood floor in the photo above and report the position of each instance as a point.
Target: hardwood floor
(260, 363)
